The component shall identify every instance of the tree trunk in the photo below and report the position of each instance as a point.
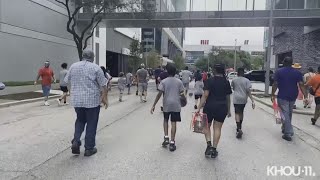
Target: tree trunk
(80, 51)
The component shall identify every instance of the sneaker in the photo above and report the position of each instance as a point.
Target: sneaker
(286, 137)
(137, 93)
(75, 148)
(46, 103)
(313, 121)
(165, 142)
(59, 102)
(239, 134)
(172, 146)
(90, 152)
(214, 153)
(66, 104)
(208, 151)
(195, 107)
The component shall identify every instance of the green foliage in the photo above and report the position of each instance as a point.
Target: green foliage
(257, 62)
(83, 32)
(153, 59)
(226, 57)
(179, 62)
(136, 50)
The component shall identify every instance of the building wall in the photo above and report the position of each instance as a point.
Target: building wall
(305, 47)
(31, 32)
(115, 41)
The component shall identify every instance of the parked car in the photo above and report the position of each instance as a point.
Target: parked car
(258, 75)
(2, 86)
(232, 75)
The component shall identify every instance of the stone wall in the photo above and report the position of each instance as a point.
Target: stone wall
(305, 47)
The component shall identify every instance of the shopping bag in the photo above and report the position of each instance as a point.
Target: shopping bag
(183, 100)
(277, 113)
(199, 122)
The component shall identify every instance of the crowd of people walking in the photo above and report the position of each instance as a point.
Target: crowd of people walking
(90, 85)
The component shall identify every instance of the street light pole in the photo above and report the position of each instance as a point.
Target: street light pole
(269, 53)
(235, 56)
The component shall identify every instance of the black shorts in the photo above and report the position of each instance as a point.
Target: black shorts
(317, 100)
(239, 108)
(197, 96)
(175, 116)
(64, 89)
(216, 112)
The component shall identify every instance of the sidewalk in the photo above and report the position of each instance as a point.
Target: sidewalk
(299, 103)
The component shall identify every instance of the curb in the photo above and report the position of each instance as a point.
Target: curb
(26, 101)
(294, 111)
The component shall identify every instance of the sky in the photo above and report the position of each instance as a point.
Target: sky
(225, 36)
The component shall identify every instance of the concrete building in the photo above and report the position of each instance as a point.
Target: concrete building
(196, 52)
(112, 48)
(166, 41)
(31, 32)
(300, 43)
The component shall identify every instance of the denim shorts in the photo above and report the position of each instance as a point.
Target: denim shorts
(46, 90)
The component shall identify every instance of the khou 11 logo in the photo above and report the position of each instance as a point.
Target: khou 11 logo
(290, 171)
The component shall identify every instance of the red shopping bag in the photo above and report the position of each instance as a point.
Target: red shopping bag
(199, 122)
(277, 112)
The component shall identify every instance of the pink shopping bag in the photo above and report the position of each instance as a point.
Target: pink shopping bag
(277, 113)
(199, 122)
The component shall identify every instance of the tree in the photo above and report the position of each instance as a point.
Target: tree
(83, 32)
(152, 59)
(257, 62)
(179, 62)
(226, 57)
(135, 59)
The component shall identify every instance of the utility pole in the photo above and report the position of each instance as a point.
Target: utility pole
(235, 56)
(269, 53)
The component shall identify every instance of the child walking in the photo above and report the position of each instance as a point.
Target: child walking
(121, 85)
(170, 88)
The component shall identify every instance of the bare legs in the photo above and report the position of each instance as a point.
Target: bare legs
(216, 133)
(173, 129)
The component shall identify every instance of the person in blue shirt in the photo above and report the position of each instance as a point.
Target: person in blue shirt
(286, 80)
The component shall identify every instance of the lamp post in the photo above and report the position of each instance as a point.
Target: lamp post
(269, 53)
(235, 56)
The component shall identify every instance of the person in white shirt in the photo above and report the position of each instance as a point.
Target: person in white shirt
(186, 75)
(198, 89)
(242, 90)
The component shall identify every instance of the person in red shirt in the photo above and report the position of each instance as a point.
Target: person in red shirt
(47, 77)
(204, 76)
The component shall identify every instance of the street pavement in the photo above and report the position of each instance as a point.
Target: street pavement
(35, 144)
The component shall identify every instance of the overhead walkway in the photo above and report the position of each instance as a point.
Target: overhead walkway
(256, 18)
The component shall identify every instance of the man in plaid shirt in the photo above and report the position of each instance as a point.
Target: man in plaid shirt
(86, 79)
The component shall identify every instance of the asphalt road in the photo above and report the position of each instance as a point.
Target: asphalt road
(35, 144)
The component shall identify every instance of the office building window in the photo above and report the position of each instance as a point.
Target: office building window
(281, 4)
(97, 31)
(296, 4)
(312, 4)
(97, 53)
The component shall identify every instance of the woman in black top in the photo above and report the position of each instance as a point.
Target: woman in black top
(216, 103)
